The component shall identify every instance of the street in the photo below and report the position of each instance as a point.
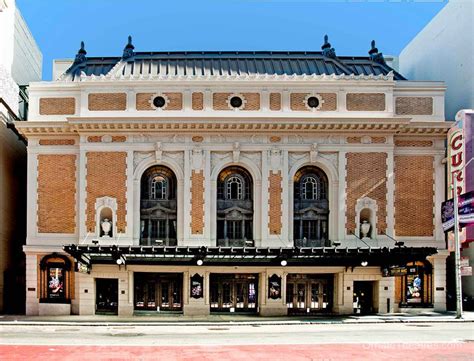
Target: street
(420, 341)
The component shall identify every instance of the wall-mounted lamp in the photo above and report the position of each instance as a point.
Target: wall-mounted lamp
(199, 262)
(284, 262)
(364, 263)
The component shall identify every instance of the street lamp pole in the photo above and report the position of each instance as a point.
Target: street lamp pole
(457, 252)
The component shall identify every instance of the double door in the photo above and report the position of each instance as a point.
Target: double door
(158, 292)
(305, 294)
(234, 293)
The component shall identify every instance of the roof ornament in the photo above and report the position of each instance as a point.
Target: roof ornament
(327, 50)
(374, 54)
(81, 55)
(128, 50)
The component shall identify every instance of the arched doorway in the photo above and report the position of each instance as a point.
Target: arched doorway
(311, 207)
(158, 207)
(234, 207)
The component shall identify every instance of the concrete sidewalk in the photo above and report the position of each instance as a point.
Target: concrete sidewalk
(231, 319)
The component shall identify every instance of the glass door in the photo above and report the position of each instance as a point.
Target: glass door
(233, 293)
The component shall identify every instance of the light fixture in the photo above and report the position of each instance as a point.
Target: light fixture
(199, 262)
(283, 262)
(364, 263)
(119, 261)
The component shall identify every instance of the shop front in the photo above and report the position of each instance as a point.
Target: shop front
(160, 292)
(267, 281)
(309, 293)
(234, 293)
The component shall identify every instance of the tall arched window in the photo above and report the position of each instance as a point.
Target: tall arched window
(234, 207)
(158, 208)
(311, 208)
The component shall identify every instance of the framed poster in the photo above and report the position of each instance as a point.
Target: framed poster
(197, 286)
(55, 276)
(274, 287)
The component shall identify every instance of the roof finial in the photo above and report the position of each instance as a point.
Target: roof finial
(374, 53)
(128, 50)
(327, 50)
(81, 54)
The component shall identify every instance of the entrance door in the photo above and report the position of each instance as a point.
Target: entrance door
(234, 293)
(308, 293)
(158, 292)
(106, 296)
(363, 297)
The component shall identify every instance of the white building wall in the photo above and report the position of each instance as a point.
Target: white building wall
(444, 51)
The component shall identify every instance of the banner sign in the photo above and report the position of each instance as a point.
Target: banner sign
(465, 211)
(456, 159)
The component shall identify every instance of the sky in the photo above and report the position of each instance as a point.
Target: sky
(157, 25)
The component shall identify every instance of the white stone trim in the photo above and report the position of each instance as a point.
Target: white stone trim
(160, 94)
(317, 96)
(239, 95)
(252, 168)
(180, 178)
(371, 204)
(101, 203)
(333, 192)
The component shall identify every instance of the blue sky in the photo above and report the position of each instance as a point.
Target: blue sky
(157, 25)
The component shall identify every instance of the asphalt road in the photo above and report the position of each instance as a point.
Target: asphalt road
(423, 341)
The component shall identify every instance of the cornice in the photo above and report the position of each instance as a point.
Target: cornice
(76, 126)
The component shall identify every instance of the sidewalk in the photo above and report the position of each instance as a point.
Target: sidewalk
(230, 320)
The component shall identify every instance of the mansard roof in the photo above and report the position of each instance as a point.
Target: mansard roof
(218, 64)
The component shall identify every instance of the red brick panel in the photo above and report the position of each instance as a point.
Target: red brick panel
(274, 202)
(366, 177)
(106, 176)
(56, 193)
(414, 179)
(197, 202)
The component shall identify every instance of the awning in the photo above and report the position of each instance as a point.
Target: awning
(247, 256)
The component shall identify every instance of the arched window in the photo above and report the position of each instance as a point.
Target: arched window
(234, 187)
(234, 207)
(159, 188)
(158, 207)
(310, 187)
(310, 207)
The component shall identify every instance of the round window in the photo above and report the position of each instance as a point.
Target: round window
(313, 102)
(236, 102)
(159, 102)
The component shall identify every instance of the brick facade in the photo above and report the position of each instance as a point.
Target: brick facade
(197, 202)
(57, 106)
(298, 101)
(220, 101)
(106, 175)
(366, 176)
(414, 105)
(275, 101)
(56, 193)
(365, 101)
(197, 101)
(107, 101)
(413, 143)
(414, 180)
(57, 142)
(274, 203)
(144, 101)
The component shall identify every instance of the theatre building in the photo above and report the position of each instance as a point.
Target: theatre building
(271, 183)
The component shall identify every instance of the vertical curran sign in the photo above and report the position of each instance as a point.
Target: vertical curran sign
(456, 159)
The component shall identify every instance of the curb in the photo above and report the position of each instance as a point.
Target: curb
(223, 323)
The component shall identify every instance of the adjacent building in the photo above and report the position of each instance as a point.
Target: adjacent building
(20, 63)
(444, 50)
(265, 182)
